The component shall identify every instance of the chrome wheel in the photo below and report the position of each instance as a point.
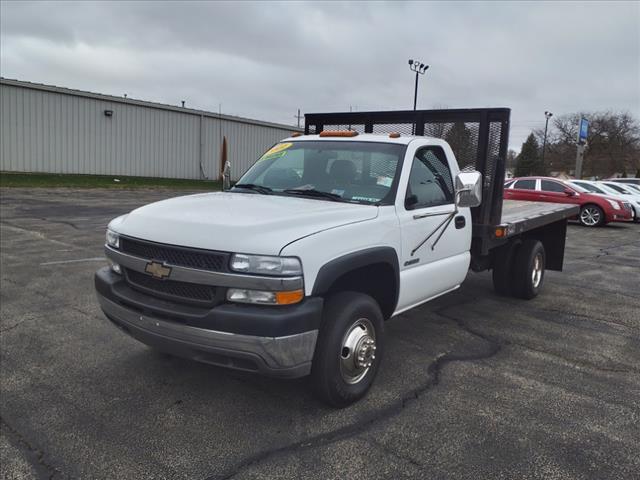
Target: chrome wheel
(590, 216)
(536, 273)
(358, 351)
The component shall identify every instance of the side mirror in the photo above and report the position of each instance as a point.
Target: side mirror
(468, 189)
(410, 202)
(569, 193)
(226, 176)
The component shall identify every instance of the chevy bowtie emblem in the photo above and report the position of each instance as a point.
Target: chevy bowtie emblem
(157, 270)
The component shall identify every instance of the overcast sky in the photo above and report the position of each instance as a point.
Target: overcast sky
(264, 60)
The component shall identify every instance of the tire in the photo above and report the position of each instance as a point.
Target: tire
(529, 269)
(350, 322)
(503, 269)
(591, 215)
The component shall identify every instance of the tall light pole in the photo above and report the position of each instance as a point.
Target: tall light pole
(547, 115)
(419, 68)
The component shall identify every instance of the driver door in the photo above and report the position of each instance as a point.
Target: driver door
(435, 239)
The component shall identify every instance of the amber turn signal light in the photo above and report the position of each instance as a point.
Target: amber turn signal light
(500, 232)
(289, 297)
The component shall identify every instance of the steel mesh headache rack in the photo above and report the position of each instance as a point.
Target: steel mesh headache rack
(479, 138)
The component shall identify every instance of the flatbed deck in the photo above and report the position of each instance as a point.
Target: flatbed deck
(519, 216)
(542, 221)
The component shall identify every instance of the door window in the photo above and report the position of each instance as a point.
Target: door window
(529, 184)
(430, 179)
(551, 186)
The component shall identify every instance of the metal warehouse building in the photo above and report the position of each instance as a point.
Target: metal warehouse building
(59, 130)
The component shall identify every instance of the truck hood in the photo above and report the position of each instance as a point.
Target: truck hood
(238, 222)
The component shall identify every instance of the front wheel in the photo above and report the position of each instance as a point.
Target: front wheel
(591, 216)
(349, 348)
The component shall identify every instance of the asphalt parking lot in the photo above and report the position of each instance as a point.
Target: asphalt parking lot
(473, 385)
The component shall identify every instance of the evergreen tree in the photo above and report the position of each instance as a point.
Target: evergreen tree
(459, 139)
(529, 158)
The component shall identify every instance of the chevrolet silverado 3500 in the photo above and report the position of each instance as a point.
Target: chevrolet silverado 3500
(295, 269)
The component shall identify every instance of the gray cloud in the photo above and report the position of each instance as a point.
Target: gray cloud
(264, 60)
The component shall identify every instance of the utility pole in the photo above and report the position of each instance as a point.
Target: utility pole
(579, 158)
(298, 116)
(547, 115)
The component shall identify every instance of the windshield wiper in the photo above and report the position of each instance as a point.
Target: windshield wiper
(256, 188)
(315, 193)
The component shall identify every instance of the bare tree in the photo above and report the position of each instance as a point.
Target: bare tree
(613, 145)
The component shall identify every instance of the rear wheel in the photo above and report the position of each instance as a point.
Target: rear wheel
(529, 269)
(591, 216)
(349, 348)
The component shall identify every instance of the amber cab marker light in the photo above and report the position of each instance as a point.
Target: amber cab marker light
(295, 134)
(289, 297)
(338, 133)
(500, 232)
(394, 135)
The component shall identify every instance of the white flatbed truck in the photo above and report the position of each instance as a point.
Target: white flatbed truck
(294, 270)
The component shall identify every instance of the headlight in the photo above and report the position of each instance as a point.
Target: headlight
(265, 265)
(241, 295)
(613, 203)
(113, 239)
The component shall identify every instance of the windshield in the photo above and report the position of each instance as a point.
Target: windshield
(617, 188)
(588, 187)
(357, 172)
(608, 189)
(577, 187)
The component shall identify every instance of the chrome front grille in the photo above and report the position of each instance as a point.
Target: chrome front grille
(174, 255)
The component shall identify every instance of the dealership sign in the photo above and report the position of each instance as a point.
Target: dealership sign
(584, 131)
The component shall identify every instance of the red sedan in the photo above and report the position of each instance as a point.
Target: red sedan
(595, 210)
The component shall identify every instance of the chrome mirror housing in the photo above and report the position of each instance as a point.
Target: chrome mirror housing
(468, 189)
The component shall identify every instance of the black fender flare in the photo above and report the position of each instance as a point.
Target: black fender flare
(337, 267)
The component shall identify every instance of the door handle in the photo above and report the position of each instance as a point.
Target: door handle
(460, 222)
(418, 216)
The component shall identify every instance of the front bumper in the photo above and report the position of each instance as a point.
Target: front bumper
(275, 341)
(623, 216)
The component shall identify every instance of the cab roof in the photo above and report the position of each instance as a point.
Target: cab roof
(363, 137)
